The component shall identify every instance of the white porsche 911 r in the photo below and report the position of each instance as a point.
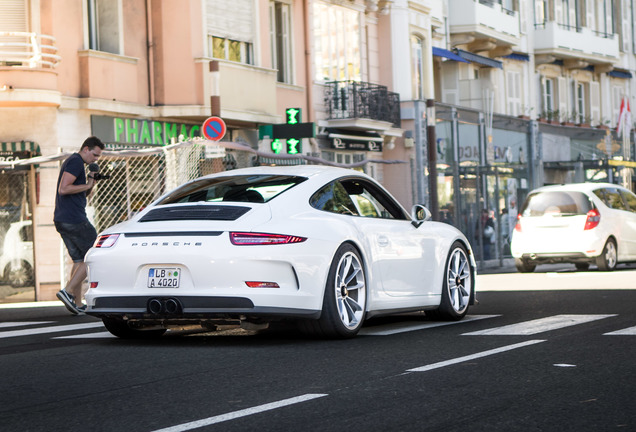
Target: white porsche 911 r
(325, 247)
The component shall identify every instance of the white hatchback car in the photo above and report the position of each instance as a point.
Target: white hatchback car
(583, 223)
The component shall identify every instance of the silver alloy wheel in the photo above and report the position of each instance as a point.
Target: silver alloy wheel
(459, 281)
(610, 254)
(350, 290)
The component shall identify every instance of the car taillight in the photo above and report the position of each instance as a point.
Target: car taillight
(518, 225)
(106, 240)
(248, 238)
(593, 219)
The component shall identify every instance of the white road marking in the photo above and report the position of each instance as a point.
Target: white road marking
(38, 304)
(52, 329)
(98, 335)
(241, 413)
(391, 329)
(631, 331)
(23, 323)
(474, 356)
(538, 326)
(564, 365)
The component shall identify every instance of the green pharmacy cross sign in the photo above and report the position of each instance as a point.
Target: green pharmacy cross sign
(293, 130)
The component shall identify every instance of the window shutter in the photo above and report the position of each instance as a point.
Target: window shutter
(625, 26)
(589, 15)
(595, 105)
(13, 16)
(563, 97)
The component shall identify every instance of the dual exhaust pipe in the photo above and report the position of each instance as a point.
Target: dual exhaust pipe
(161, 306)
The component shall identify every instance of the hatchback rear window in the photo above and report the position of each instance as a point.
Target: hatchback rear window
(557, 203)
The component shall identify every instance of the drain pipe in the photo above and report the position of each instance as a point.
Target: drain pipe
(150, 47)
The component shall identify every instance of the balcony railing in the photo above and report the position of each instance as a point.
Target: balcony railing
(27, 49)
(361, 100)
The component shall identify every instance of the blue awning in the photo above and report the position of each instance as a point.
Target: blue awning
(476, 58)
(620, 74)
(441, 52)
(518, 57)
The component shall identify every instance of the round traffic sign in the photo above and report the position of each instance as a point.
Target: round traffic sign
(213, 128)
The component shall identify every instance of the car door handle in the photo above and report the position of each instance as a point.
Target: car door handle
(383, 241)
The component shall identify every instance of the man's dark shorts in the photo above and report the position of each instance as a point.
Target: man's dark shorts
(78, 238)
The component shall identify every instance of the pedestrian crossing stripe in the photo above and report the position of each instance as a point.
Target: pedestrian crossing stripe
(391, 329)
(51, 329)
(538, 326)
(631, 331)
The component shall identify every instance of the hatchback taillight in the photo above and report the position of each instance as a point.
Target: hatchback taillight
(249, 238)
(106, 240)
(518, 225)
(593, 219)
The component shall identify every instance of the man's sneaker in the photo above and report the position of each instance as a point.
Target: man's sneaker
(81, 310)
(67, 299)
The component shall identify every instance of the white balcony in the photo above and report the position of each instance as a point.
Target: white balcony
(484, 21)
(583, 43)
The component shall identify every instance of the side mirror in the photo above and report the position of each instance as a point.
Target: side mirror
(420, 214)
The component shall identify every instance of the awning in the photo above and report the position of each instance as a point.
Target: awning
(441, 52)
(518, 57)
(20, 146)
(620, 74)
(476, 58)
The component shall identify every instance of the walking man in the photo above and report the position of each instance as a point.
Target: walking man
(71, 221)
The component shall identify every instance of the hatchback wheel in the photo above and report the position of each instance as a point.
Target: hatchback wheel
(345, 299)
(607, 260)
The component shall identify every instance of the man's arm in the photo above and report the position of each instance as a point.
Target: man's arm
(68, 188)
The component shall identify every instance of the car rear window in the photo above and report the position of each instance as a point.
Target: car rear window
(246, 188)
(563, 203)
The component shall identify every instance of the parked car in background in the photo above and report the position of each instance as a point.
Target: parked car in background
(16, 261)
(324, 247)
(582, 223)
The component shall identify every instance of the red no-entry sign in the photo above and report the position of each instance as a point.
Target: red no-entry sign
(214, 128)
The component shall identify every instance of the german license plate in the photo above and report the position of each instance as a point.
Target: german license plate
(164, 277)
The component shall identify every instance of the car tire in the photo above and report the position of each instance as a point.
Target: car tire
(608, 259)
(582, 266)
(344, 303)
(457, 287)
(120, 328)
(20, 275)
(523, 266)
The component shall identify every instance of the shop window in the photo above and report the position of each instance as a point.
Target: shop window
(104, 26)
(280, 40)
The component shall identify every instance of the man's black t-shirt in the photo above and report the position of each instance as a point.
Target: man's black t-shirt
(71, 208)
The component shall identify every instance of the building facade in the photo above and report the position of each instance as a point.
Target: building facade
(520, 93)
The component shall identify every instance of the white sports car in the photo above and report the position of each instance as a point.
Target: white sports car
(326, 247)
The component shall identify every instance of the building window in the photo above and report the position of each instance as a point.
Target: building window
(580, 101)
(228, 49)
(231, 30)
(548, 96)
(540, 13)
(337, 43)
(104, 29)
(513, 84)
(417, 65)
(280, 40)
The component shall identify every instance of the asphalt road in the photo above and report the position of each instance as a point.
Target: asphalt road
(535, 355)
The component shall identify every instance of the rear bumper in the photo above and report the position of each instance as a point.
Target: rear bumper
(555, 258)
(183, 308)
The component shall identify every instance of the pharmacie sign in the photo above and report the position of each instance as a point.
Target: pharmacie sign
(147, 132)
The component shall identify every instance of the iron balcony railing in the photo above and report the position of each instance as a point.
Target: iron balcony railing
(354, 99)
(28, 49)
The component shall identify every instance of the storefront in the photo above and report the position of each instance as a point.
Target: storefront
(18, 196)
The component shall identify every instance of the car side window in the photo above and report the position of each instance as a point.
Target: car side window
(334, 199)
(357, 198)
(613, 199)
(630, 199)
